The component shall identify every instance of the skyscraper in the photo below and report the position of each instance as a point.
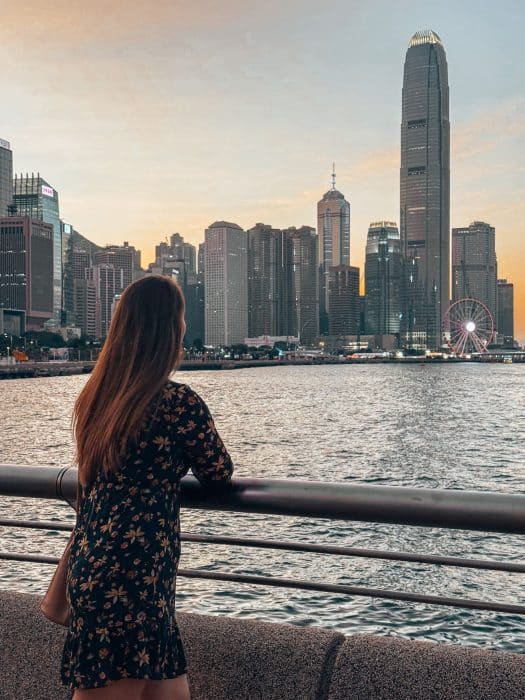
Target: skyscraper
(26, 268)
(474, 267)
(78, 255)
(103, 279)
(344, 300)
(505, 321)
(68, 297)
(34, 197)
(194, 313)
(333, 229)
(270, 283)
(86, 306)
(305, 283)
(201, 256)
(226, 284)
(124, 258)
(425, 189)
(176, 249)
(177, 259)
(184, 251)
(383, 278)
(6, 177)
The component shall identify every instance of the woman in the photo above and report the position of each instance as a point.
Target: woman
(137, 434)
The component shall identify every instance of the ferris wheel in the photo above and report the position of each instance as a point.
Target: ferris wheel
(470, 325)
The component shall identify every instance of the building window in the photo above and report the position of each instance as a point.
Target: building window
(417, 123)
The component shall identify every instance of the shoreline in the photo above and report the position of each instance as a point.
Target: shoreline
(28, 370)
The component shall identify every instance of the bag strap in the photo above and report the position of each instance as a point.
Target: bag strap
(78, 501)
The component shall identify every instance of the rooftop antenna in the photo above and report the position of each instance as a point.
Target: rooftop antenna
(333, 177)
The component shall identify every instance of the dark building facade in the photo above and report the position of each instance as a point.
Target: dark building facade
(270, 282)
(383, 279)
(6, 178)
(474, 266)
(344, 318)
(425, 189)
(505, 319)
(34, 197)
(26, 268)
(68, 301)
(85, 306)
(201, 257)
(194, 315)
(305, 283)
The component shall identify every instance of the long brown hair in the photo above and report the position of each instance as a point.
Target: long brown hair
(142, 348)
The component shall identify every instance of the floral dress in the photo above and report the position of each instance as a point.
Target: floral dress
(126, 546)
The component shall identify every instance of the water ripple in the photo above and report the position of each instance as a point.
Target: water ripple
(459, 426)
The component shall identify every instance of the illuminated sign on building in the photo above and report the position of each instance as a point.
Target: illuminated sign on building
(4, 144)
(48, 191)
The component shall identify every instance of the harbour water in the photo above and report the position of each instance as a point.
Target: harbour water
(459, 427)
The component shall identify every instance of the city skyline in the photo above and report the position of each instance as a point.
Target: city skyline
(127, 170)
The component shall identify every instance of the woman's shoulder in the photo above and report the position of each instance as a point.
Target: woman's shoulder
(176, 391)
(181, 401)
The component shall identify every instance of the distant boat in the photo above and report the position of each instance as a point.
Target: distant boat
(507, 360)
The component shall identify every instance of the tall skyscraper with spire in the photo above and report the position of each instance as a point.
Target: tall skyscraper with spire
(425, 189)
(333, 230)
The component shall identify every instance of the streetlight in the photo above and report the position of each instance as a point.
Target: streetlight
(310, 320)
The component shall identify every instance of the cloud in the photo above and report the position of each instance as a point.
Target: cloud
(63, 22)
(489, 130)
(384, 162)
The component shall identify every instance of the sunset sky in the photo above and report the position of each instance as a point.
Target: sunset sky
(151, 117)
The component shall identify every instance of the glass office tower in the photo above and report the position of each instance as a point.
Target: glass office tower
(383, 278)
(425, 190)
(34, 197)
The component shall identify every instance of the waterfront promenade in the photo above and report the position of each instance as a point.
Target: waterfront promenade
(456, 427)
(234, 659)
(23, 370)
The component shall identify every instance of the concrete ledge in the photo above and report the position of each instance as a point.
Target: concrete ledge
(229, 659)
(30, 650)
(250, 660)
(384, 668)
(233, 659)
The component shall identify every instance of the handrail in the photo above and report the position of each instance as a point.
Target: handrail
(446, 508)
(427, 507)
(338, 588)
(305, 547)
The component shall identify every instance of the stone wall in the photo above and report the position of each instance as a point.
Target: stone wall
(232, 659)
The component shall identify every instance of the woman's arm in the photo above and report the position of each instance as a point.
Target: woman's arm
(195, 431)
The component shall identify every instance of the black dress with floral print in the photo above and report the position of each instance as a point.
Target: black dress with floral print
(126, 546)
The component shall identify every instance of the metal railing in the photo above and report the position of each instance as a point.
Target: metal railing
(454, 509)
